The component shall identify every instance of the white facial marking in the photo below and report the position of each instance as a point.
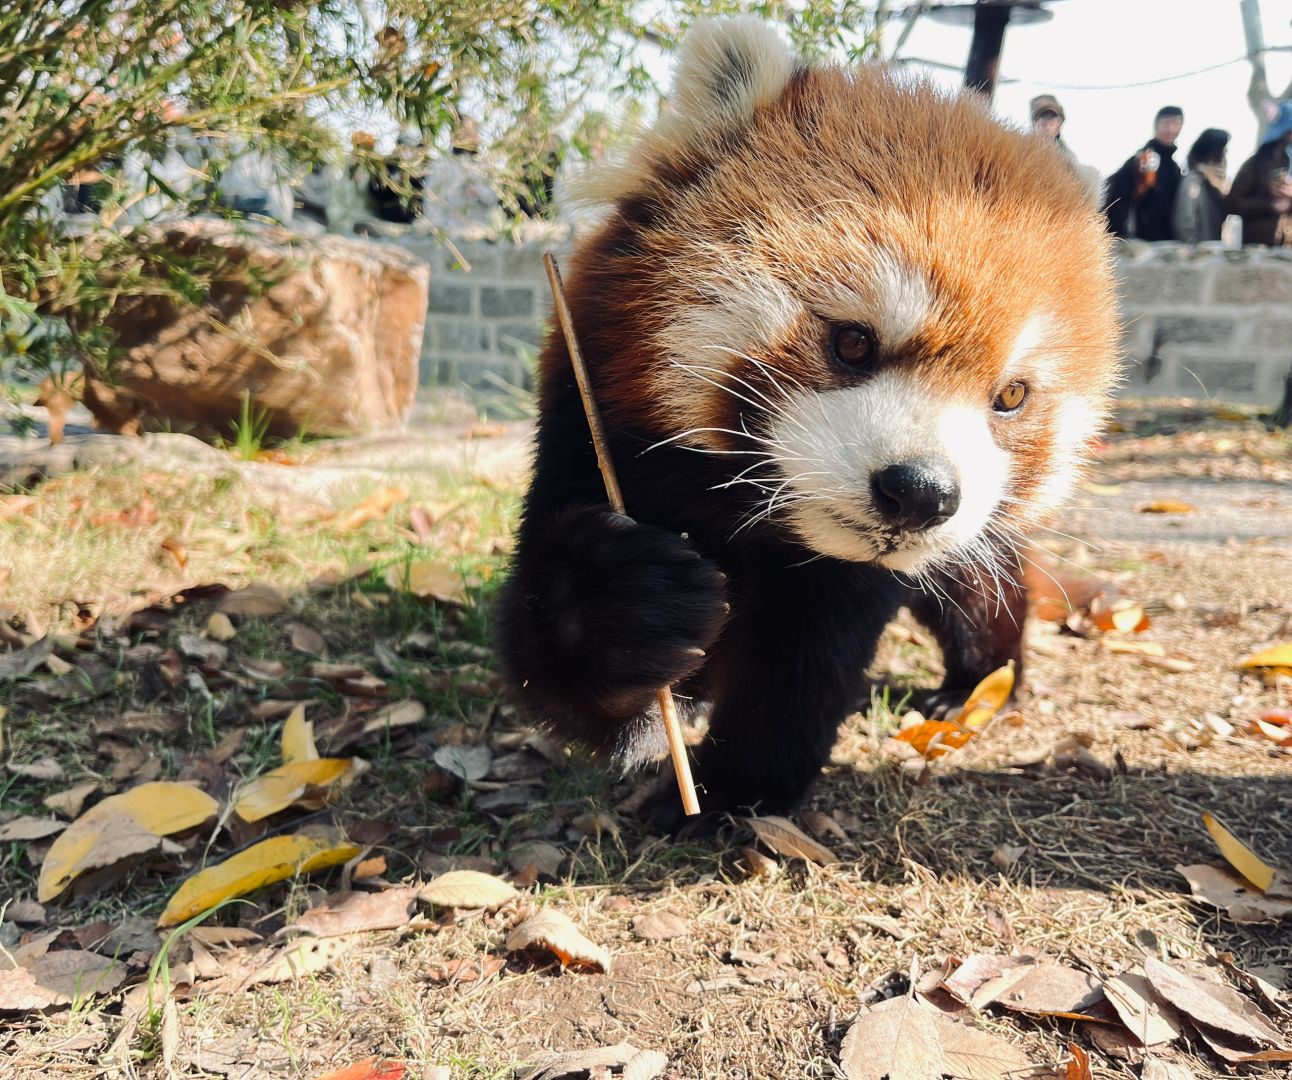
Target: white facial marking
(746, 310)
(845, 436)
(1075, 420)
(885, 293)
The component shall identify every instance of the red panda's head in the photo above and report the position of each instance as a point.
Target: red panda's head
(895, 314)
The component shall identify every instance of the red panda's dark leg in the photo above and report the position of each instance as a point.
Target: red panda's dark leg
(978, 623)
(788, 669)
(598, 614)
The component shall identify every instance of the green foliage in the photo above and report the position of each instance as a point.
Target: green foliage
(95, 91)
(250, 429)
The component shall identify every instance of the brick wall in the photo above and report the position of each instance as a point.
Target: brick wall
(1207, 322)
(1200, 322)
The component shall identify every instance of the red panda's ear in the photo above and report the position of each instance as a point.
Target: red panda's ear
(725, 69)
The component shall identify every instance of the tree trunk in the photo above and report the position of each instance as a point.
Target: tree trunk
(1283, 417)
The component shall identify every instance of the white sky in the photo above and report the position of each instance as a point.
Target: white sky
(1102, 43)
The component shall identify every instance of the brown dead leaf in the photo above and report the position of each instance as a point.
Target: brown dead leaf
(1079, 1067)
(1213, 1004)
(660, 926)
(546, 858)
(897, 1039)
(785, 838)
(821, 824)
(26, 828)
(351, 912)
(1224, 889)
(1050, 989)
(466, 889)
(548, 930)
(1165, 506)
(1146, 1015)
(971, 1054)
(981, 970)
(258, 600)
(597, 824)
(551, 1065)
(758, 864)
(1160, 1069)
(75, 973)
(466, 969)
(372, 508)
(46, 769)
(306, 639)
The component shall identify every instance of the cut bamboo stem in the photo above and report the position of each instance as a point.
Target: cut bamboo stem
(668, 710)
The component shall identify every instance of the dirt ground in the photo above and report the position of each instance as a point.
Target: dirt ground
(1019, 842)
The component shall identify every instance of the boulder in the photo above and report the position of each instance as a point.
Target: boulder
(328, 345)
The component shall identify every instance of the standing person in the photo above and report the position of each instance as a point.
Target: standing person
(1140, 196)
(1199, 204)
(1047, 121)
(1262, 191)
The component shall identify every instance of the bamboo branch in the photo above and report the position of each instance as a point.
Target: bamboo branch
(672, 727)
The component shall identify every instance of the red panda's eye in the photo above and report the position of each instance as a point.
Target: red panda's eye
(853, 344)
(1011, 397)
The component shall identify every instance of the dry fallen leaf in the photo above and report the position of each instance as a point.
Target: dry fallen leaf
(372, 508)
(1048, 989)
(350, 912)
(305, 956)
(933, 738)
(59, 978)
(258, 600)
(280, 788)
(69, 802)
(1165, 506)
(1276, 656)
(553, 1065)
(821, 824)
(219, 627)
(1213, 1004)
(660, 926)
(262, 864)
(1079, 1067)
(758, 864)
(431, 581)
(1158, 1069)
(971, 1054)
(307, 640)
(550, 931)
(466, 969)
(27, 828)
(785, 838)
(298, 737)
(120, 827)
(370, 1069)
(469, 763)
(895, 1040)
(1146, 1015)
(466, 889)
(987, 698)
(1224, 889)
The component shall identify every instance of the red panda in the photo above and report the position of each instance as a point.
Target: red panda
(850, 337)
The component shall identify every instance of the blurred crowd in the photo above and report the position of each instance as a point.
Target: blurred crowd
(1151, 197)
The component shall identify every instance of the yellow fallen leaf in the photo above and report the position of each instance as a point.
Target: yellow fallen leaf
(430, 581)
(373, 507)
(933, 738)
(277, 789)
(1166, 506)
(121, 826)
(467, 889)
(988, 698)
(275, 859)
(298, 737)
(1276, 656)
(1239, 855)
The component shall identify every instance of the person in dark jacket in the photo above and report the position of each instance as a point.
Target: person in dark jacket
(1262, 191)
(1199, 204)
(1140, 196)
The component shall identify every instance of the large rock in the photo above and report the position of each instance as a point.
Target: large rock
(331, 346)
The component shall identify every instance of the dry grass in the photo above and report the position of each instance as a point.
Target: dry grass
(769, 972)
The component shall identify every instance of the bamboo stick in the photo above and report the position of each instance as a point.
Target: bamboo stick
(668, 710)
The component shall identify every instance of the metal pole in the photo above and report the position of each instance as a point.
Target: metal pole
(983, 66)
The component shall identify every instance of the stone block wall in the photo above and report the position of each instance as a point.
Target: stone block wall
(1207, 322)
(486, 311)
(1202, 322)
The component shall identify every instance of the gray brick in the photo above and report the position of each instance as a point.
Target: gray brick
(1272, 332)
(518, 338)
(1259, 284)
(453, 335)
(1218, 376)
(1154, 283)
(446, 299)
(506, 302)
(1191, 329)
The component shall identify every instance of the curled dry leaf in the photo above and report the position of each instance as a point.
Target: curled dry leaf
(372, 508)
(758, 864)
(219, 627)
(1213, 1004)
(369, 1069)
(933, 738)
(275, 859)
(1145, 1013)
(1276, 656)
(987, 698)
(551, 931)
(350, 912)
(466, 889)
(120, 827)
(1239, 855)
(298, 737)
(1227, 891)
(785, 838)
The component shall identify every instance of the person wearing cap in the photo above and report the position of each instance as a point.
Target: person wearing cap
(1140, 196)
(1261, 193)
(1047, 121)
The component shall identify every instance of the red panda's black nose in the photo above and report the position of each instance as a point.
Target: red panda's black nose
(916, 495)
